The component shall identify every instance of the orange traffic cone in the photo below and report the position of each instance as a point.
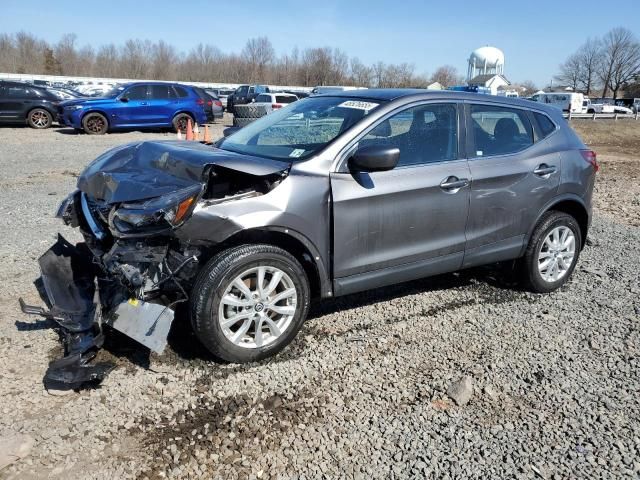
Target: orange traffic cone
(189, 130)
(196, 133)
(207, 135)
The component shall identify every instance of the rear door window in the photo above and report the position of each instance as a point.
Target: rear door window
(159, 92)
(285, 99)
(499, 130)
(180, 92)
(263, 99)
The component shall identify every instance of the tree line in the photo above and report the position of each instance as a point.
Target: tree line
(603, 65)
(257, 62)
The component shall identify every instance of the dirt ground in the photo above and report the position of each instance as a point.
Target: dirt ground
(362, 391)
(617, 144)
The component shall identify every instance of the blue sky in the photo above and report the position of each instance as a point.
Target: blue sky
(535, 36)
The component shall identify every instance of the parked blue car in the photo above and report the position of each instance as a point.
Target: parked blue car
(135, 105)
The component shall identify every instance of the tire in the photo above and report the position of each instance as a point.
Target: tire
(541, 280)
(249, 111)
(95, 124)
(39, 118)
(179, 122)
(242, 122)
(217, 281)
(591, 111)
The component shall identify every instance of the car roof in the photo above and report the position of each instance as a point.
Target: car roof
(390, 94)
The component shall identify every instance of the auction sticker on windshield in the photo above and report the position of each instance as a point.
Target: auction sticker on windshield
(366, 106)
(297, 153)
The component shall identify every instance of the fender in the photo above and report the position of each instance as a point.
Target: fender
(548, 206)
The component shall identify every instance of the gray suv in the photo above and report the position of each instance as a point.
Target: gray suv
(331, 195)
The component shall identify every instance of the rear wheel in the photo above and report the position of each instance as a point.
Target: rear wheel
(249, 302)
(95, 124)
(39, 118)
(552, 253)
(180, 122)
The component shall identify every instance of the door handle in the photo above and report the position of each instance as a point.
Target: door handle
(543, 170)
(144, 103)
(452, 184)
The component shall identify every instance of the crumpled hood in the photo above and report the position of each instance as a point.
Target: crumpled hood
(142, 170)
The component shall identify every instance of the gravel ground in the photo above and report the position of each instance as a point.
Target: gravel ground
(459, 376)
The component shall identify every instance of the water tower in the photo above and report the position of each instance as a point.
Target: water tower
(485, 61)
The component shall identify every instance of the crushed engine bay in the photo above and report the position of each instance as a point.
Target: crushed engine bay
(132, 269)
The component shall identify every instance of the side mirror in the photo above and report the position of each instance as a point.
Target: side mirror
(229, 131)
(374, 158)
(124, 99)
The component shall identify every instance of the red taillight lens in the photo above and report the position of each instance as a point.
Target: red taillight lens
(200, 101)
(209, 103)
(590, 156)
(276, 105)
(218, 103)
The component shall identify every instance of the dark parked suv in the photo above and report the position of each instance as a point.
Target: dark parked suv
(332, 195)
(24, 103)
(245, 94)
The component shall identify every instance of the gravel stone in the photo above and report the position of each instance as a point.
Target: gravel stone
(363, 390)
(461, 390)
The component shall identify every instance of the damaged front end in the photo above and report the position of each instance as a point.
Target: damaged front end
(132, 269)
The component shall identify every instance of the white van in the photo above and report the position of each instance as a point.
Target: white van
(565, 101)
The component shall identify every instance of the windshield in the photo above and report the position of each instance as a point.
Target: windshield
(300, 129)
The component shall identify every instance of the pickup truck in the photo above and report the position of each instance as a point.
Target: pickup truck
(588, 107)
(245, 94)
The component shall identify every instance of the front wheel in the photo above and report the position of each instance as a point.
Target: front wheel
(181, 121)
(249, 302)
(95, 124)
(552, 253)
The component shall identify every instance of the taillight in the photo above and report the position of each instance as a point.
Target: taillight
(209, 103)
(200, 101)
(590, 156)
(276, 105)
(218, 103)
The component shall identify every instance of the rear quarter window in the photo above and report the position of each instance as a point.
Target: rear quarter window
(263, 99)
(545, 125)
(180, 92)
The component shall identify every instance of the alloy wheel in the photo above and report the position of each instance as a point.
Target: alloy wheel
(39, 119)
(257, 307)
(556, 254)
(95, 124)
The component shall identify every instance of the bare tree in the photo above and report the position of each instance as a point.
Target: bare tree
(446, 76)
(589, 57)
(621, 59)
(571, 71)
(259, 54)
(529, 88)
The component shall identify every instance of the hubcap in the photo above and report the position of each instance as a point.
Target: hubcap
(257, 307)
(39, 119)
(95, 124)
(556, 254)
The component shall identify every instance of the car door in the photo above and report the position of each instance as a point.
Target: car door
(161, 106)
(132, 108)
(407, 222)
(512, 179)
(15, 101)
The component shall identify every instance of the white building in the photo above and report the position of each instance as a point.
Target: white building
(491, 81)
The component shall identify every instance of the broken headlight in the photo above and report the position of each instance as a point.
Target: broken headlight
(156, 214)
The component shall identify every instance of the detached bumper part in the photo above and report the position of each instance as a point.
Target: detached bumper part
(69, 277)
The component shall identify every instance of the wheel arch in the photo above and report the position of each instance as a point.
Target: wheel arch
(96, 110)
(570, 204)
(289, 240)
